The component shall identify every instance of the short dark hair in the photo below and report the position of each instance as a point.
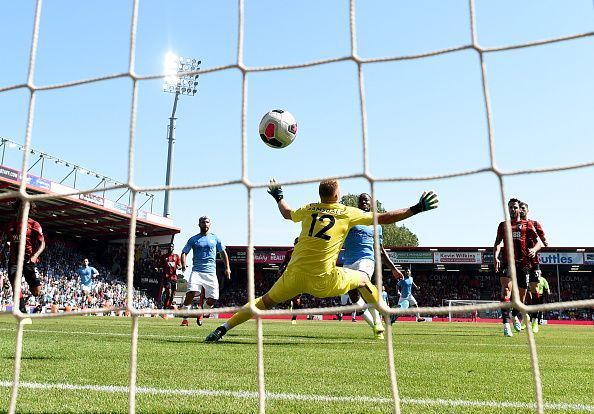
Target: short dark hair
(523, 203)
(513, 200)
(363, 195)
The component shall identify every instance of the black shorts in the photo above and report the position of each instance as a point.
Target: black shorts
(535, 274)
(29, 273)
(170, 284)
(523, 273)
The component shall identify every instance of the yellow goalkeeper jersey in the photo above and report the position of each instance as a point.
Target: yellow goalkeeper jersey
(323, 230)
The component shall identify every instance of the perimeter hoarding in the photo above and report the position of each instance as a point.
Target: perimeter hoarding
(554, 258)
(457, 257)
(561, 258)
(270, 256)
(411, 257)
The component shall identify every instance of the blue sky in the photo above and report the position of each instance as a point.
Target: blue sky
(425, 117)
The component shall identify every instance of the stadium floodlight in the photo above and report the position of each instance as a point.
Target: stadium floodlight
(180, 75)
(181, 79)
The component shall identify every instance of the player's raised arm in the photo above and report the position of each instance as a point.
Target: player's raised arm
(397, 274)
(276, 191)
(428, 201)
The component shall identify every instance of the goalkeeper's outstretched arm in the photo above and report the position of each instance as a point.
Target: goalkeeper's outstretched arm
(276, 191)
(284, 209)
(428, 201)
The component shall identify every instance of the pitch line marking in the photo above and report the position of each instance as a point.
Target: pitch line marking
(298, 397)
(504, 344)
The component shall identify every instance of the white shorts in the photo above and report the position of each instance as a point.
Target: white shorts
(366, 266)
(411, 300)
(85, 288)
(208, 281)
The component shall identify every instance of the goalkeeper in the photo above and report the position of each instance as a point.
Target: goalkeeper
(312, 268)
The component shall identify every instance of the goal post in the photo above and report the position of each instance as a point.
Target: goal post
(481, 313)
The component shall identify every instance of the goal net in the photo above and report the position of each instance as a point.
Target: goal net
(251, 186)
(469, 310)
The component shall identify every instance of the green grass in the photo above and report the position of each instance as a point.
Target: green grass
(312, 360)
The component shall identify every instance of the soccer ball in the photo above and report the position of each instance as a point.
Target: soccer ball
(278, 128)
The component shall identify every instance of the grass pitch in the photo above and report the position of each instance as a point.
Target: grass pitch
(80, 365)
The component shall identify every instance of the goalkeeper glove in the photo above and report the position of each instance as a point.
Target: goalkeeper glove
(428, 201)
(275, 190)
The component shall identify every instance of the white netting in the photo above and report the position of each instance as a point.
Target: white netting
(471, 310)
(245, 181)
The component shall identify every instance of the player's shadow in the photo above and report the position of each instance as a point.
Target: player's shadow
(297, 340)
(398, 334)
(35, 358)
(188, 340)
(280, 340)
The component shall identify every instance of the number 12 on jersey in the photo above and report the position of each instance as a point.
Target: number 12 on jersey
(322, 233)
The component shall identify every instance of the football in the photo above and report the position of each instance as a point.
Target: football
(278, 128)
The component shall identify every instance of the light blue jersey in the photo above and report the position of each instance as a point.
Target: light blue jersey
(204, 250)
(385, 297)
(359, 244)
(86, 274)
(405, 286)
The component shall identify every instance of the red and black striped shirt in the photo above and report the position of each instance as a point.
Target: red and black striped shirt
(170, 263)
(33, 238)
(524, 236)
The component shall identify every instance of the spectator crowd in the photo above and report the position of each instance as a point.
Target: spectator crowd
(61, 287)
(435, 289)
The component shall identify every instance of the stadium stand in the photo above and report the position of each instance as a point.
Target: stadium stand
(92, 226)
(443, 273)
(61, 283)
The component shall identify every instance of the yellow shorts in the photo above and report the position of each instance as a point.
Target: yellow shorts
(294, 281)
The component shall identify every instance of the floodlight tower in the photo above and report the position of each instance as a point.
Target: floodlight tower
(179, 82)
